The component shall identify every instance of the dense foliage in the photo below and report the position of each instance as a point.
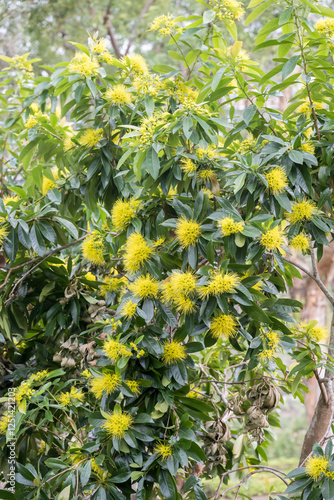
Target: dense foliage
(146, 230)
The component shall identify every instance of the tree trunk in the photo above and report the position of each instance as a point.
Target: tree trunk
(323, 414)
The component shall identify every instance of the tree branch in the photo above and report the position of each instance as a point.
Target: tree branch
(314, 275)
(110, 29)
(139, 18)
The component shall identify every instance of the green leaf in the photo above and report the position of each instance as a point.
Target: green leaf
(167, 485)
(85, 473)
(208, 16)
(249, 113)
(69, 226)
(81, 47)
(258, 11)
(298, 485)
(289, 66)
(137, 163)
(296, 156)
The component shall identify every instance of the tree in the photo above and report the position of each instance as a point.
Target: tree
(145, 253)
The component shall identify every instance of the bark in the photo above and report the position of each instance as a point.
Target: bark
(323, 415)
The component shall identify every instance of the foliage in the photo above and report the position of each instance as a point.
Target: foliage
(145, 250)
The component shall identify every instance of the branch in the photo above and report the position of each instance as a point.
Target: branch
(139, 18)
(36, 265)
(110, 29)
(314, 275)
(260, 468)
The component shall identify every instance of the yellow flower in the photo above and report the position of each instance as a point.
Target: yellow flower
(10, 198)
(247, 145)
(306, 108)
(68, 144)
(148, 127)
(105, 384)
(206, 175)
(3, 234)
(182, 282)
(273, 238)
(4, 422)
(119, 95)
(177, 289)
(90, 276)
(86, 373)
(228, 226)
(187, 232)
(304, 209)
(223, 325)
(164, 450)
(115, 350)
(122, 213)
(129, 309)
(97, 469)
(308, 147)
(92, 248)
(229, 10)
(174, 352)
(98, 46)
(134, 386)
(31, 122)
(91, 137)
(49, 183)
(300, 242)
(83, 64)
(145, 83)
(136, 62)
(220, 283)
(272, 341)
(145, 287)
(66, 398)
(116, 424)
(108, 58)
(112, 284)
(137, 251)
(277, 180)
(316, 466)
(318, 334)
(164, 24)
(34, 107)
(188, 166)
(325, 27)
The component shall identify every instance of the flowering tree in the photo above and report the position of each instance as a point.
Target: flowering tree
(146, 229)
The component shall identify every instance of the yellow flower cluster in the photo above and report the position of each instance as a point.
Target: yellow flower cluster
(25, 389)
(99, 46)
(187, 232)
(86, 373)
(148, 127)
(146, 83)
(20, 63)
(145, 287)
(219, 283)
(306, 107)
(137, 251)
(300, 242)
(91, 137)
(3, 234)
(229, 10)
(49, 183)
(164, 24)
(277, 180)
(4, 422)
(83, 64)
(247, 145)
(179, 289)
(174, 352)
(223, 325)
(116, 424)
(136, 63)
(106, 383)
(31, 122)
(118, 95)
(140, 352)
(115, 350)
(206, 153)
(188, 166)
(163, 450)
(92, 248)
(308, 147)
(302, 210)
(273, 239)
(112, 284)
(317, 334)
(206, 175)
(68, 144)
(228, 226)
(122, 212)
(134, 386)
(272, 340)
(129, 309)
(66, 398)
(325, 27)
(316, 466)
